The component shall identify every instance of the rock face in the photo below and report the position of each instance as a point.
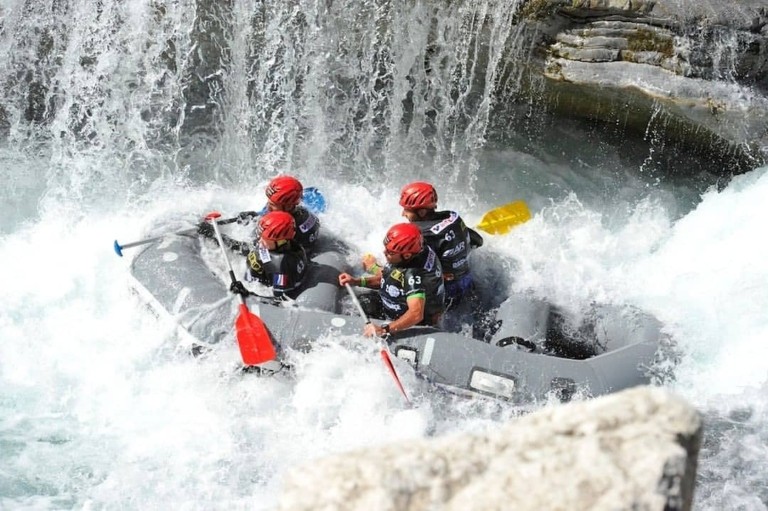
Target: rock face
(697, 65)
(633, 450)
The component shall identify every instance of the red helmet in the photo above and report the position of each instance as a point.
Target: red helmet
(277, 226)
(403, 239)
(418, 195)
(285, 191)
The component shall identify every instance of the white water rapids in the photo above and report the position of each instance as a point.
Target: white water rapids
(98, 410)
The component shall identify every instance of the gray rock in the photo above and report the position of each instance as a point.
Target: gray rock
(702, 65)
(632, 450)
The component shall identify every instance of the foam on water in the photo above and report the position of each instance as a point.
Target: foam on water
(118, 127)
(99, 408)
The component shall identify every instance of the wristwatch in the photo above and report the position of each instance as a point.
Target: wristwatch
(385, 327)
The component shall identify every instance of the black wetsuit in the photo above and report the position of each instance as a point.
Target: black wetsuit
(452, 240)
(283, 269)
(421, 276)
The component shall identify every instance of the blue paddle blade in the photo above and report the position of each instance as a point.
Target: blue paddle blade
(313, 200)
(118, 249)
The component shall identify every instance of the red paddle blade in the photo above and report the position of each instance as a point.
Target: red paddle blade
(388, 363)
(253, 338)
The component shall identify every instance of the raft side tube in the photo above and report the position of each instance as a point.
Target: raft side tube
(452, 360)
(174, 274)
(320, 289)
(522, 317)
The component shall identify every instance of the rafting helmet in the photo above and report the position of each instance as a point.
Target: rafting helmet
(285, 191)
(277, 226)
(403, 239)
(418, 195)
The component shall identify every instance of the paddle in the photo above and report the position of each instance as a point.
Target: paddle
(119, 248)
(252, 335)
(312, 197)
(502, 219)
(385, 355)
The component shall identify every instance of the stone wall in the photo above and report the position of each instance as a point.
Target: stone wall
(701, 65)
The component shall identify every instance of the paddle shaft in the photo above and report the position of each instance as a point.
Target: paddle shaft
(119, 248)
(357, 303)
(156, 238)
(313, 198)
(385, 354)
(217, 231)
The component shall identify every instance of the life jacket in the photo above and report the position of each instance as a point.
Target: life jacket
(419, 276)
(307, 227)
(283, 269)
(449, 237)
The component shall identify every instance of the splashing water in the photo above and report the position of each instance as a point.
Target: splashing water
(117, 116)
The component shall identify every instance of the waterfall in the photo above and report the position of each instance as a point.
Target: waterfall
(120, 94)
(114, 113)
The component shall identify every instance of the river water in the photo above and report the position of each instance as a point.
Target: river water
(118, 115)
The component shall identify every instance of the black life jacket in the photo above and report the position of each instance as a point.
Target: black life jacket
(419, 276)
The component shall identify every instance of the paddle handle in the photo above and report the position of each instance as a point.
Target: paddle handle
(213, 218)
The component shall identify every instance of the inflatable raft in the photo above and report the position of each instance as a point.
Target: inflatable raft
(528, 355)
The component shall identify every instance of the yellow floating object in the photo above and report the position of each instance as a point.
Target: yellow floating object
(502, 219)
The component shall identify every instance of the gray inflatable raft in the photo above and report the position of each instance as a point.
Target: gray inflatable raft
(174, 280)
